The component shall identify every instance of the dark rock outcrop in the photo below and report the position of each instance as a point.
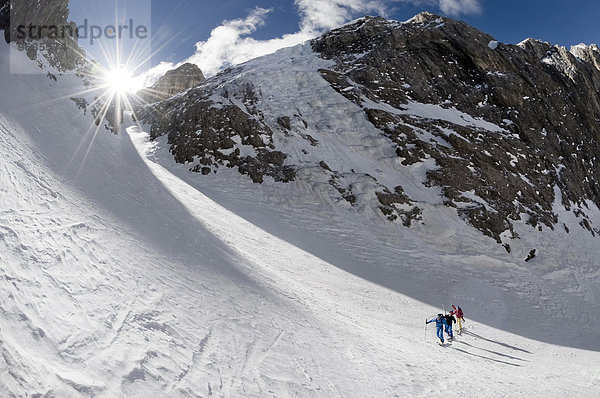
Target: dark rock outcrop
(198, 131)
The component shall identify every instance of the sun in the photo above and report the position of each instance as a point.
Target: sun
(120, 82)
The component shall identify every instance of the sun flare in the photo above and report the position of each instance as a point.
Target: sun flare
(120, 82)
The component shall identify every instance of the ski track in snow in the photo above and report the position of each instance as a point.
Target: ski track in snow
(117, 278)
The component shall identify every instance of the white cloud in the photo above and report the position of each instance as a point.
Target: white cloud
(458, 7)
(320, 15)
(231, 44)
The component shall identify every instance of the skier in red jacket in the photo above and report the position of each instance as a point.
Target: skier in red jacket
(458, 313)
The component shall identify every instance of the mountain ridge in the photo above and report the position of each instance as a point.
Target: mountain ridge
(437, 89)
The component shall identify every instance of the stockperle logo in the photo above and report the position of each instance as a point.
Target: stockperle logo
(83, 32)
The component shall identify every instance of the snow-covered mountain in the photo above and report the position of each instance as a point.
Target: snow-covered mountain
(504, 131)
(122, 273)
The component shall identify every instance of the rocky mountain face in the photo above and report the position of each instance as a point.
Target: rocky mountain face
(543, 98)
(173, 82)
(41, 28)
(51, 40)
(5, 18)
(207, 133)
(506, 131)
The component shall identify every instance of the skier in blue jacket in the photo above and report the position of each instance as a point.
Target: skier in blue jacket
(440, 322)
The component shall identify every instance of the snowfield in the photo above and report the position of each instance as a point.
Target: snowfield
(121, 274)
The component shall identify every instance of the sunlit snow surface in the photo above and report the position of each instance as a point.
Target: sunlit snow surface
(121, 274)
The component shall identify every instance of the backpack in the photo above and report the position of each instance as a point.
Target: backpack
(439, 320)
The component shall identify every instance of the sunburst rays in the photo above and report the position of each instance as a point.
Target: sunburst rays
(111, 85)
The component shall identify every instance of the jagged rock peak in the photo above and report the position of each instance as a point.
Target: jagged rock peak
(535, 46)
(369, 21)
(180, 79)
(589, 54)
(186, 70)
(425, 17)
(585, 47)
(173, 82)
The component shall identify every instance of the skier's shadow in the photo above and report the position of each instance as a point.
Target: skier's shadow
(489, 359)
(494, 352)
(496, 342)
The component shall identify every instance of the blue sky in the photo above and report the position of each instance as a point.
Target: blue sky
(255, 27)
(557, 21)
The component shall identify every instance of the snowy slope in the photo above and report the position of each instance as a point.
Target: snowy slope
(120, 279)
(561, 284)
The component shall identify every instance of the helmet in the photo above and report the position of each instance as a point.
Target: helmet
(439, 315)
